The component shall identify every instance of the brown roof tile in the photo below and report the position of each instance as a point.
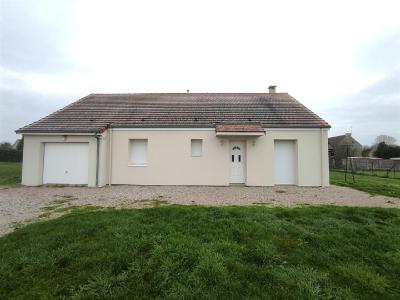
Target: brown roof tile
(93, 113)
(239, 128)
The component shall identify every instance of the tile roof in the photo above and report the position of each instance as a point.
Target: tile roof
(95, 112)
(239, 128)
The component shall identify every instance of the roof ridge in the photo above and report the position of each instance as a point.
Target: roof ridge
(195, 93)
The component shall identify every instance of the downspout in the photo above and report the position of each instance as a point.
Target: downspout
(110, 136)
(322, 156)
(97, 136)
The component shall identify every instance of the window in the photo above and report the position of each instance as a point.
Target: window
(138, 152)
(197, 147)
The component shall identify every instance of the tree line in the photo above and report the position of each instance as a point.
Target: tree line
(10, 154)
(384, 147)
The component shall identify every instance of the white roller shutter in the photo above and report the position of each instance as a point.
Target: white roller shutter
(285, 162)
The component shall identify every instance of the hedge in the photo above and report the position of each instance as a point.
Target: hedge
(10, 155)
(387, 151)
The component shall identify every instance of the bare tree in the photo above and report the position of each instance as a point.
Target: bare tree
(387, 139)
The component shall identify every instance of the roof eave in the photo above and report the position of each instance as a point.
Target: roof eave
(103, 128)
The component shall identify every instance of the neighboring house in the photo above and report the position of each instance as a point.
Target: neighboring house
(343, 146)
(256, 139)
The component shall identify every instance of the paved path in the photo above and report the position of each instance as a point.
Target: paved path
(24, 204)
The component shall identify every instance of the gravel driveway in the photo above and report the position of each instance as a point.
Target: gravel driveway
(24, 204)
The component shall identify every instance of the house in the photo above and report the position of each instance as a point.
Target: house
(255, 139)
(343, 146)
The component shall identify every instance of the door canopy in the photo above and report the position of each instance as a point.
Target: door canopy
(239, 130)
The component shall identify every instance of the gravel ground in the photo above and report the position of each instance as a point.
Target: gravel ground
(25, 204)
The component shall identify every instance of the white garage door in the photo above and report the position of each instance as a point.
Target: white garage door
(285, 162)
(66, 163)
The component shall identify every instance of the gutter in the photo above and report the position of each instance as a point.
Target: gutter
(97, 136)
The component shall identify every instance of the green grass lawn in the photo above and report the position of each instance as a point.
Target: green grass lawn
(204, 252)
(381, 173)
(10, 173)
(370, 184)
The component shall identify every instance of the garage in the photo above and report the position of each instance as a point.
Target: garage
(66, 163)
(285, 162)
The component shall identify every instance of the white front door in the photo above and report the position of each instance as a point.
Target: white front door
(66, 163)
(238, 162)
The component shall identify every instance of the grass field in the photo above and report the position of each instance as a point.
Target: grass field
(209, 253)
(374, 185)
(381, 173)
(10, 173)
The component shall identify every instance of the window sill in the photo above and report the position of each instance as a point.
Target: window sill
(137, 165)
(197, 155)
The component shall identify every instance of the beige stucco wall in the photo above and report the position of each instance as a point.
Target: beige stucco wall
(312, 157)
(170, 161)
(103, 158)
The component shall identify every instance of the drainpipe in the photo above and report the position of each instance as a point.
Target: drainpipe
(322, 156)
(97, 136)
(110, 136)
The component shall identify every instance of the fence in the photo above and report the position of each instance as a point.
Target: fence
(370, 163)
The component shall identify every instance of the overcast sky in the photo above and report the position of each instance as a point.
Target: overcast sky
(339, 58)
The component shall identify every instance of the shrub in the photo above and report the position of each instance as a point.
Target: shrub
(10, 155)
(387, 151)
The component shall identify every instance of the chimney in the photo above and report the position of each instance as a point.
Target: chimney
(272, 89)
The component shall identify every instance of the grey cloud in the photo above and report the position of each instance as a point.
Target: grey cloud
(373, 111)
(33, 37)
(32, 43)
(12, 81)
(382, 53)
(19, 107)
(388, 86)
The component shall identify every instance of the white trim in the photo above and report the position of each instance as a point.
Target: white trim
(60, 133)
(296, 129)
(163, 129)
(213, 129)
(137, 165)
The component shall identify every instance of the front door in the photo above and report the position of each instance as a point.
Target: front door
(238, 162)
